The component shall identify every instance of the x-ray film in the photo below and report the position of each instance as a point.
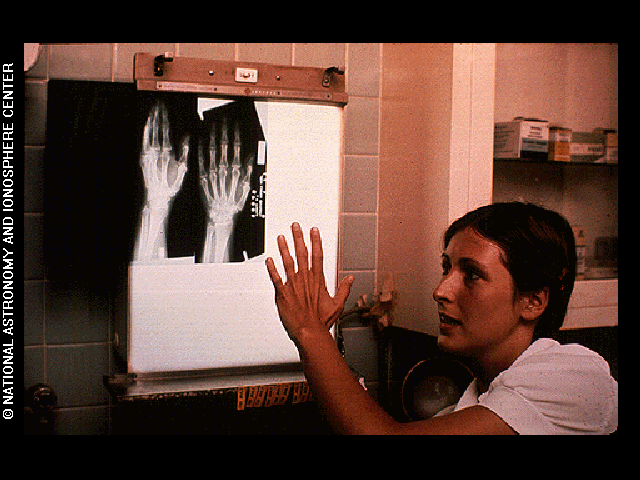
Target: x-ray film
(229, 145)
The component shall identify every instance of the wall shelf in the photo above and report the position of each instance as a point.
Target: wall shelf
(574, 86)
(554, 164)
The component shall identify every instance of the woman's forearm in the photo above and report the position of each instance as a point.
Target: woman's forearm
(348, 405)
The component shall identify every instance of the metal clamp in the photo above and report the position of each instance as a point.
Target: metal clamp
(158, 63)
(328, 73)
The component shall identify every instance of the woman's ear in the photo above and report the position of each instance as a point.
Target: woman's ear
(534, 303)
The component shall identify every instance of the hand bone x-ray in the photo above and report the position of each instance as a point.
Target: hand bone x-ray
(163, 176)
(228, 140)
(225, 189)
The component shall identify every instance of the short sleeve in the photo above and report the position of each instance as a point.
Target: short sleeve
(560, 389)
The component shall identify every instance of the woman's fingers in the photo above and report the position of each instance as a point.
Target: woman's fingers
(305, 280)
(287, 260)
(302, 257)
(302, 254)
(343, 290)
(276, 279)
(303, 297)
(317, 257)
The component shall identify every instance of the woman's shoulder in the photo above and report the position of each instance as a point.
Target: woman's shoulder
(570, 384)
(548, 355)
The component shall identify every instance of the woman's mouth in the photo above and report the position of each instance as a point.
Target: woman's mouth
(447, 320)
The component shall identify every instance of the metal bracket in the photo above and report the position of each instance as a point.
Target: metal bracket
(158, 63)
(239, 79)
(119, 383)
(328, 73)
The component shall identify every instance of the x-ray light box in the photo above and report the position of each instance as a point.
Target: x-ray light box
(216, 309)
(172, 191)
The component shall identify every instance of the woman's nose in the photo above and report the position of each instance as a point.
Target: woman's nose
(443, 291)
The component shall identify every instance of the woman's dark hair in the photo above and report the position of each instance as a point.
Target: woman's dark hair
(540, 252)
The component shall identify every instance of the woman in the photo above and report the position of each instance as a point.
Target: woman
(508, 273)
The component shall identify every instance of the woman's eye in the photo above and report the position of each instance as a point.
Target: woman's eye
(471, 276)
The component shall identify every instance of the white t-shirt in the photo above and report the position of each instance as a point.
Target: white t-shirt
(552, 389)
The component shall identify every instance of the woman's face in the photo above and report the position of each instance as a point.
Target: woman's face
(475, 297)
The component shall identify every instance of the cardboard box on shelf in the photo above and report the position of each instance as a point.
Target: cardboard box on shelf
(526, 138)
(587, 147)
(559, 144)
(610, 145)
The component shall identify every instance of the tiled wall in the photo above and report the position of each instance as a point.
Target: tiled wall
(68, 334)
